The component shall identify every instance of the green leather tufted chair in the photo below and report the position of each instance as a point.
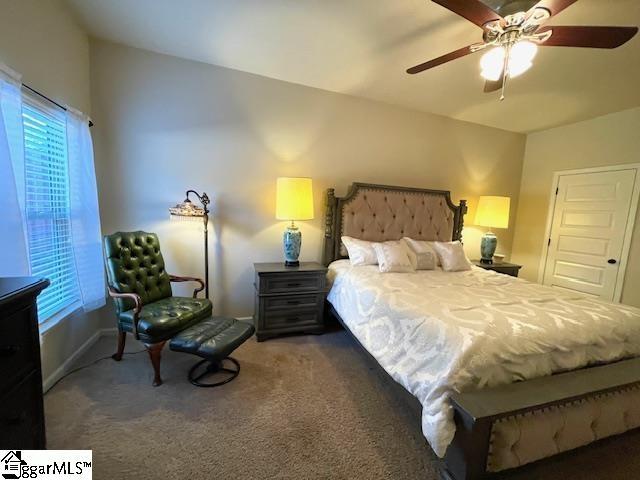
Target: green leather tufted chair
(141, 289)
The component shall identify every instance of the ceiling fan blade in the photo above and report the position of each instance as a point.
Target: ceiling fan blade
(461, 52)
(554, 6)
(473, 10)
(493, 85)
(509, 7)
(588, 37)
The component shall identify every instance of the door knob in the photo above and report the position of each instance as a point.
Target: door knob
(612, 261)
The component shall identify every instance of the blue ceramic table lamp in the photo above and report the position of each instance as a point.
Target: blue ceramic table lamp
(294, 201)
(493, 212)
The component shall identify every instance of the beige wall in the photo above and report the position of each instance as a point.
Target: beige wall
(164, 125)
(40, 40)
(609, 140)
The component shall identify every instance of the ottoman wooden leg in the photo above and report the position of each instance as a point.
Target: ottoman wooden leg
(154, 350)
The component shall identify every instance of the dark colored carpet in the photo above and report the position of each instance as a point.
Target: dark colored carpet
(306, 407)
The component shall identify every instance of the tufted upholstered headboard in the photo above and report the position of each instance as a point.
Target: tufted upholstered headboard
(381, 212)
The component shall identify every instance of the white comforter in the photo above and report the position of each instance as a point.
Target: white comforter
(436, 332)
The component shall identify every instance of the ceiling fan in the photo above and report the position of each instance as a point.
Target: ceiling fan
(512, 31)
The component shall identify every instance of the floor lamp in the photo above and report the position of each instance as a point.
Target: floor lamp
(188, 209)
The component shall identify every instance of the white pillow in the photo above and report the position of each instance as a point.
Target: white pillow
(360, 252)
(426, 257)
(394, 256)
(413, 256)
(452, 257)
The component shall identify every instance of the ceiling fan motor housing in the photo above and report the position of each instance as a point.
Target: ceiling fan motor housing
(519, 26)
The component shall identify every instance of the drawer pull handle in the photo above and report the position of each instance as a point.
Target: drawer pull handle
(298, 284)
(9, 350)
(292, 319)
(293, 302)
(16, 419)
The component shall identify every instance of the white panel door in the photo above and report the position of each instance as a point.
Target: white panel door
(587, 231)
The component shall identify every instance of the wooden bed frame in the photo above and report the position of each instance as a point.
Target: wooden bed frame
(501, 428)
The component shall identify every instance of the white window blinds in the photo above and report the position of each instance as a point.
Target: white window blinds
(47, 206)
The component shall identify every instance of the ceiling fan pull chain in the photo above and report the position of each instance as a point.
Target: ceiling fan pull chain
(505, 70)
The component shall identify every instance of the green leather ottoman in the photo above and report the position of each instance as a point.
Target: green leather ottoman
(213, 339)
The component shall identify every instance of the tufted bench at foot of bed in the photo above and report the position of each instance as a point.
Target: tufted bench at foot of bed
(509, 426)
(524, 438)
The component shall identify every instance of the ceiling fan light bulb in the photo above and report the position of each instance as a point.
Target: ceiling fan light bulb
(491, 63)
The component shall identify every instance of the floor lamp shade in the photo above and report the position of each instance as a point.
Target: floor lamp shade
(492, 212)
(294, 201)
(187, 209)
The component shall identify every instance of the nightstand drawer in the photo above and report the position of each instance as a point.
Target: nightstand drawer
(292, 302)
(291, 283)
(297, 318)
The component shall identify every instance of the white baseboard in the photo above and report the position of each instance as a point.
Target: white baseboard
(59, 372)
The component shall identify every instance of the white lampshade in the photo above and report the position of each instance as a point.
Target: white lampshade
(294, 198)
(493, 212)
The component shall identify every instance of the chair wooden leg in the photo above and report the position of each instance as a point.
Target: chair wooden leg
(122, 337)
(154, 350)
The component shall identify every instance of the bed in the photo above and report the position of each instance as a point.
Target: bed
(506, 372)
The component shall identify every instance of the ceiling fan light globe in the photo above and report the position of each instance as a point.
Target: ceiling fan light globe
(518, 68)
(521, 57)
(523, 52)
(492, 75)
(491, 63)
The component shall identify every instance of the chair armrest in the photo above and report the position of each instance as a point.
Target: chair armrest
(175, 278)
(136, 309)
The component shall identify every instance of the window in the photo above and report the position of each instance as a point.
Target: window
(48, 214)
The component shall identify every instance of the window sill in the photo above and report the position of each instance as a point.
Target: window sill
(53, 320)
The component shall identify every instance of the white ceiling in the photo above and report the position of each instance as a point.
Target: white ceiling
(363, 47)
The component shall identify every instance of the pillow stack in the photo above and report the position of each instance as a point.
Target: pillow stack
(407, 255)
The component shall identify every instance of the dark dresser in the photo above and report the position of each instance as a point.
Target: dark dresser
(289, 299)
(21, 405)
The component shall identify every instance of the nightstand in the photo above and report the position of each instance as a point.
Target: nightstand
(289, 299)
(504, 267)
